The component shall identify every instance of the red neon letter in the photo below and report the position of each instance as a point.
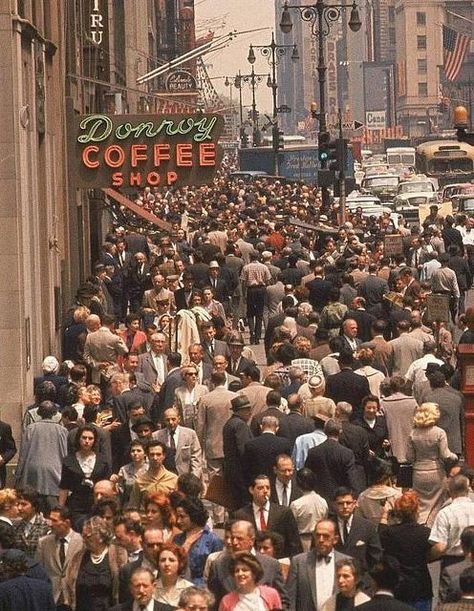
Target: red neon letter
(207, 154)
(153, 179)
(171, 177)
(138, 153)
(114, 151)
(135, 179)
(86, 160)
(184, 155)
(117, 179)
(161, 153)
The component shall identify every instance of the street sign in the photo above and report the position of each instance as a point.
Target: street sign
(283, 108)
(347, 125)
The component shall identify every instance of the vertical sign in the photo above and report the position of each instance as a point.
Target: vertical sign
(332, 105)
(96, 23)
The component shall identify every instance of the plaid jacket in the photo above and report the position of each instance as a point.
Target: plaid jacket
(29, 543)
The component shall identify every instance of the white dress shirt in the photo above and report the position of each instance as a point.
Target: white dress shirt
(325, 572)
(159, 366)
(256, 513)
(279, 487)
(340, 524)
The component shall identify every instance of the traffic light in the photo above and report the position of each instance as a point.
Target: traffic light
(461, 123)
(337, 155)
(281, 140)
(244, 139)
(313, 108)
(323, 148)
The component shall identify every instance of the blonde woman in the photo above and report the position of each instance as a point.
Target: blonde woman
(427, 448)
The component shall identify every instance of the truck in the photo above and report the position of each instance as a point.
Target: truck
(299, 163)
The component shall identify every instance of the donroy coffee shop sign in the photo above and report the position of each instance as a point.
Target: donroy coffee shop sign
(145, 150)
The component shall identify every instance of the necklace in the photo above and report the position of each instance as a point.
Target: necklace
(98, 559)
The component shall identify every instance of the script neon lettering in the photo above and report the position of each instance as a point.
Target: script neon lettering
(98, 127)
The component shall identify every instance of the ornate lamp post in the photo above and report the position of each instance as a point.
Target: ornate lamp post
(321, 15)
(273, 53)
(253, 80)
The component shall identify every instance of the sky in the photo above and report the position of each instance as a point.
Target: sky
(223, 16)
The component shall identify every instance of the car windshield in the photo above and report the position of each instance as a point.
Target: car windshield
(385, 181)
(416, 187)
(468, 204)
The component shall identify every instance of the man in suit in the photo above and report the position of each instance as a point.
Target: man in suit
(373, 288)
(347, 385)
(128, 534)
(142, 587)
(213, 411)
(237, 362)
(449, 588)
(296, 423)
(466, 583)
(255, 392)
(363, 319)
(284, 488)
(212, 346)
(265, 515)
(358, 537)
(381, 348)
(404, 350)
(123, 261)
(357, 440)
(242, 539)
(332, 464)
(311, 581)
(139, 279)
(276, 321)
(166, 396)
(153, 364)
(136, 243)
(183, 295)
(350, 331)
(319, 289)
(55, 551)
(102, 347)
(260, 452)
(386, 576)
(273, 409)
(196, 357)
(7, 450)
(183, 444)
(220, 288)
(235, 434)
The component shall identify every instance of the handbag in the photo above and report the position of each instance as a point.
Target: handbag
(405, 476)
(219, 492)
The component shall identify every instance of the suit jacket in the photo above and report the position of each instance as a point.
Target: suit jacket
(296, 424)
(136, 283)
(348, 386)
(296, 491)
(235, 435)
(146, 366)
(212, 413)
(7, 449)
(364, 322)
(357, 440)
(102, 346)
(221, 581)
(301, 581)
(382, 351)
(270, 411)
(333, 466)
(220, 349)
(180, 299)
(363, 543)
(386, 603)
(256, 393)
(188, 454)
(189, 413)
(319, 290)
(260, 454)
(405, 350)
(375, 434)
(272, 324)
(449, 589)
(166, 395)
(280, 520)
(242, 364)
(47, 554)
(372, 289)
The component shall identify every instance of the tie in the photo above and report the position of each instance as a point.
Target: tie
(211, 348)
(263, 524)
(345, 531)
(62, 551)
(284, 496)
(172, 441)
(326, 559)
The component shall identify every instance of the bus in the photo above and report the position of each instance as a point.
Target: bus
(448, 161)
(401, 156)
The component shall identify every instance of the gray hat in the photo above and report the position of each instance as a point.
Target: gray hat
(50, 364)
(240, 402)
(213, 264)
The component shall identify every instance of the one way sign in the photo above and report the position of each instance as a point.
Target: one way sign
(352, 125)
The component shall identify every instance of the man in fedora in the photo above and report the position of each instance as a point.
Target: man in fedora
(236, 433)
(237, 362)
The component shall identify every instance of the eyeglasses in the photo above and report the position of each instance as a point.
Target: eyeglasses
(191, 373)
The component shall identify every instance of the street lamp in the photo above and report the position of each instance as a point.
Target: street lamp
(321, 15)
(253, 80)
(273, 53)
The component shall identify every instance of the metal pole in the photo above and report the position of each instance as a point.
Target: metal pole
(342, 172)
(322, 89)
(275, 110)
(254, 108)
(240, 101)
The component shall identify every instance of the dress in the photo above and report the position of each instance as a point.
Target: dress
(426, 450)
(94, 585)
(207, 543)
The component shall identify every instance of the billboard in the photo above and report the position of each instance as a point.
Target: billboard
(144, 150)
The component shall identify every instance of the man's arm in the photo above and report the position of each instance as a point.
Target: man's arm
(8, 445)
(196, 456)
(436, 551)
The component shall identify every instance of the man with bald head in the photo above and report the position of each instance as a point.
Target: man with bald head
(242, 539)
(102, 348)
(153, 364)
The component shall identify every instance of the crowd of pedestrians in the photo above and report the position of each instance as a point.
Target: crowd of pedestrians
(168, 463)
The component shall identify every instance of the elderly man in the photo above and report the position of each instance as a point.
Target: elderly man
(182, 442)
(153, 363)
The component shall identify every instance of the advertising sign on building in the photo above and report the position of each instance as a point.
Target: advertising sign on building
(144, 150)
(181, 81)
(375, 119)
